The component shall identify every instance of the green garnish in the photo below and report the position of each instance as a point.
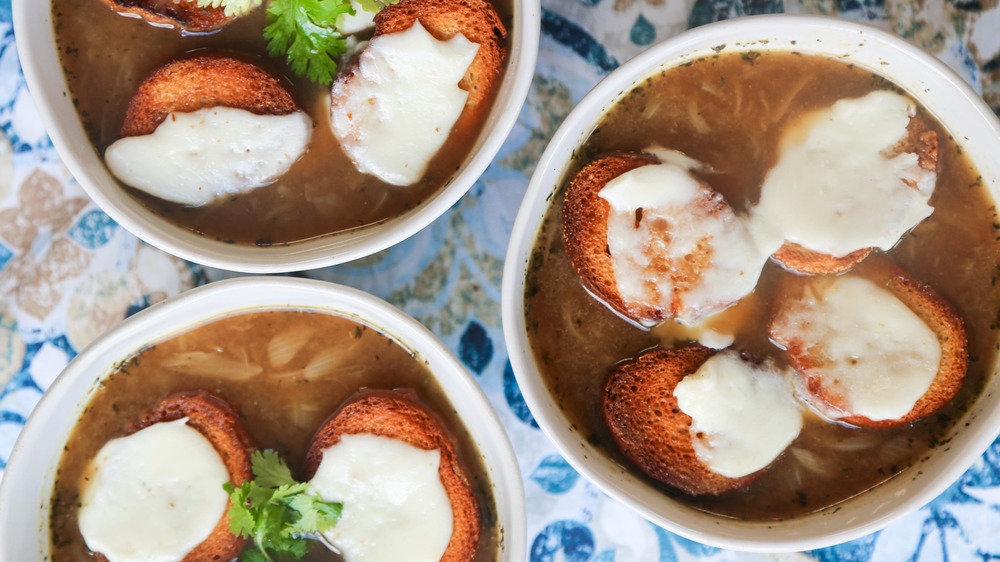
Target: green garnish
(232, 7)
(306, 32)
(277, 512)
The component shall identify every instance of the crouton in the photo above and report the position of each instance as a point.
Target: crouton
(687, 257)
(650, 429)
(813, 366)
(189, 84)
(585, 231)
(218, 422)
(477, 20)
(397, 415)
(919, 140)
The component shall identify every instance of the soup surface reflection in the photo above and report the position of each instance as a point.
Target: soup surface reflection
(285, 372)
(727, 111)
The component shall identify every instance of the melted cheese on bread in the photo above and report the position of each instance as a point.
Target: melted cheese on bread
(154, 495)
(676, 245)
(395, 506)
(838, 187)
(743, 415)
(394, 111)
(871, 354)
(193, 158)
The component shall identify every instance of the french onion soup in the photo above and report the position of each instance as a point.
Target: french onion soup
(348, 409)
(765, 251)
(264, 150)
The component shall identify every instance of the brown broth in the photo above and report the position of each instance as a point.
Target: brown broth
(106, 56)
(281, 408)
(727, 111)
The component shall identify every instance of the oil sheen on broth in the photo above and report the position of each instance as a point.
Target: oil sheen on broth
(727, 112)
(285, 372)
(106, 56)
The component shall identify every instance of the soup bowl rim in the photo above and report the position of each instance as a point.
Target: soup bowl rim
(28, 480)
(34, 34)
(860, 515)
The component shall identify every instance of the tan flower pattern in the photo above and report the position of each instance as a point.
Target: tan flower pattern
(462, 278)
(554, 104)
(46, 258)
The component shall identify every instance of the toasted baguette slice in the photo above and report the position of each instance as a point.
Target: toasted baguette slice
(220, 424)
(477, 20)
(585, 231)
(919, 140)
(183, 14)
(200, 82)
(396, 415)
(650, 429)
(808, 359)
(685, 259)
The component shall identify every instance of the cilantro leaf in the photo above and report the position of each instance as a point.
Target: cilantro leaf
(232, 7)
(306, 32)
(269, 470)
(277, 512)
(317, 515)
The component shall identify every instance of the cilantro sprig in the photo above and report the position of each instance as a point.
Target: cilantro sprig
(277, 512)
(306, 32)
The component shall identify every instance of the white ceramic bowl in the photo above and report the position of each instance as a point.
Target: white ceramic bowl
(940, 91)
(43, 72)
(26, 489)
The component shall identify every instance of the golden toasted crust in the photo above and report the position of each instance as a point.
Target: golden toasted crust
(200, 82)
(186, 15)
(649, 427)
(795, 258)
(585, 230)
(396, 415)
(477, 20)
(919, 140)
(219, 423)
(924, 301)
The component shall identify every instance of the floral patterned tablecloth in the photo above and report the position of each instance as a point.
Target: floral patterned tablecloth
(68, 272)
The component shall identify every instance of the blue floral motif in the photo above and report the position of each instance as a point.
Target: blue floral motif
(138, 305)
(642, 33)
(666, 540)
(862, 10)
(5, 255)
(574, 37)
(961, 524)
(708, 11)
(93, 230)
(555, 475)
(514, 397)
(475, 348)
(61, 342)
(11, 417)
(575, 540)
(22, 379)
